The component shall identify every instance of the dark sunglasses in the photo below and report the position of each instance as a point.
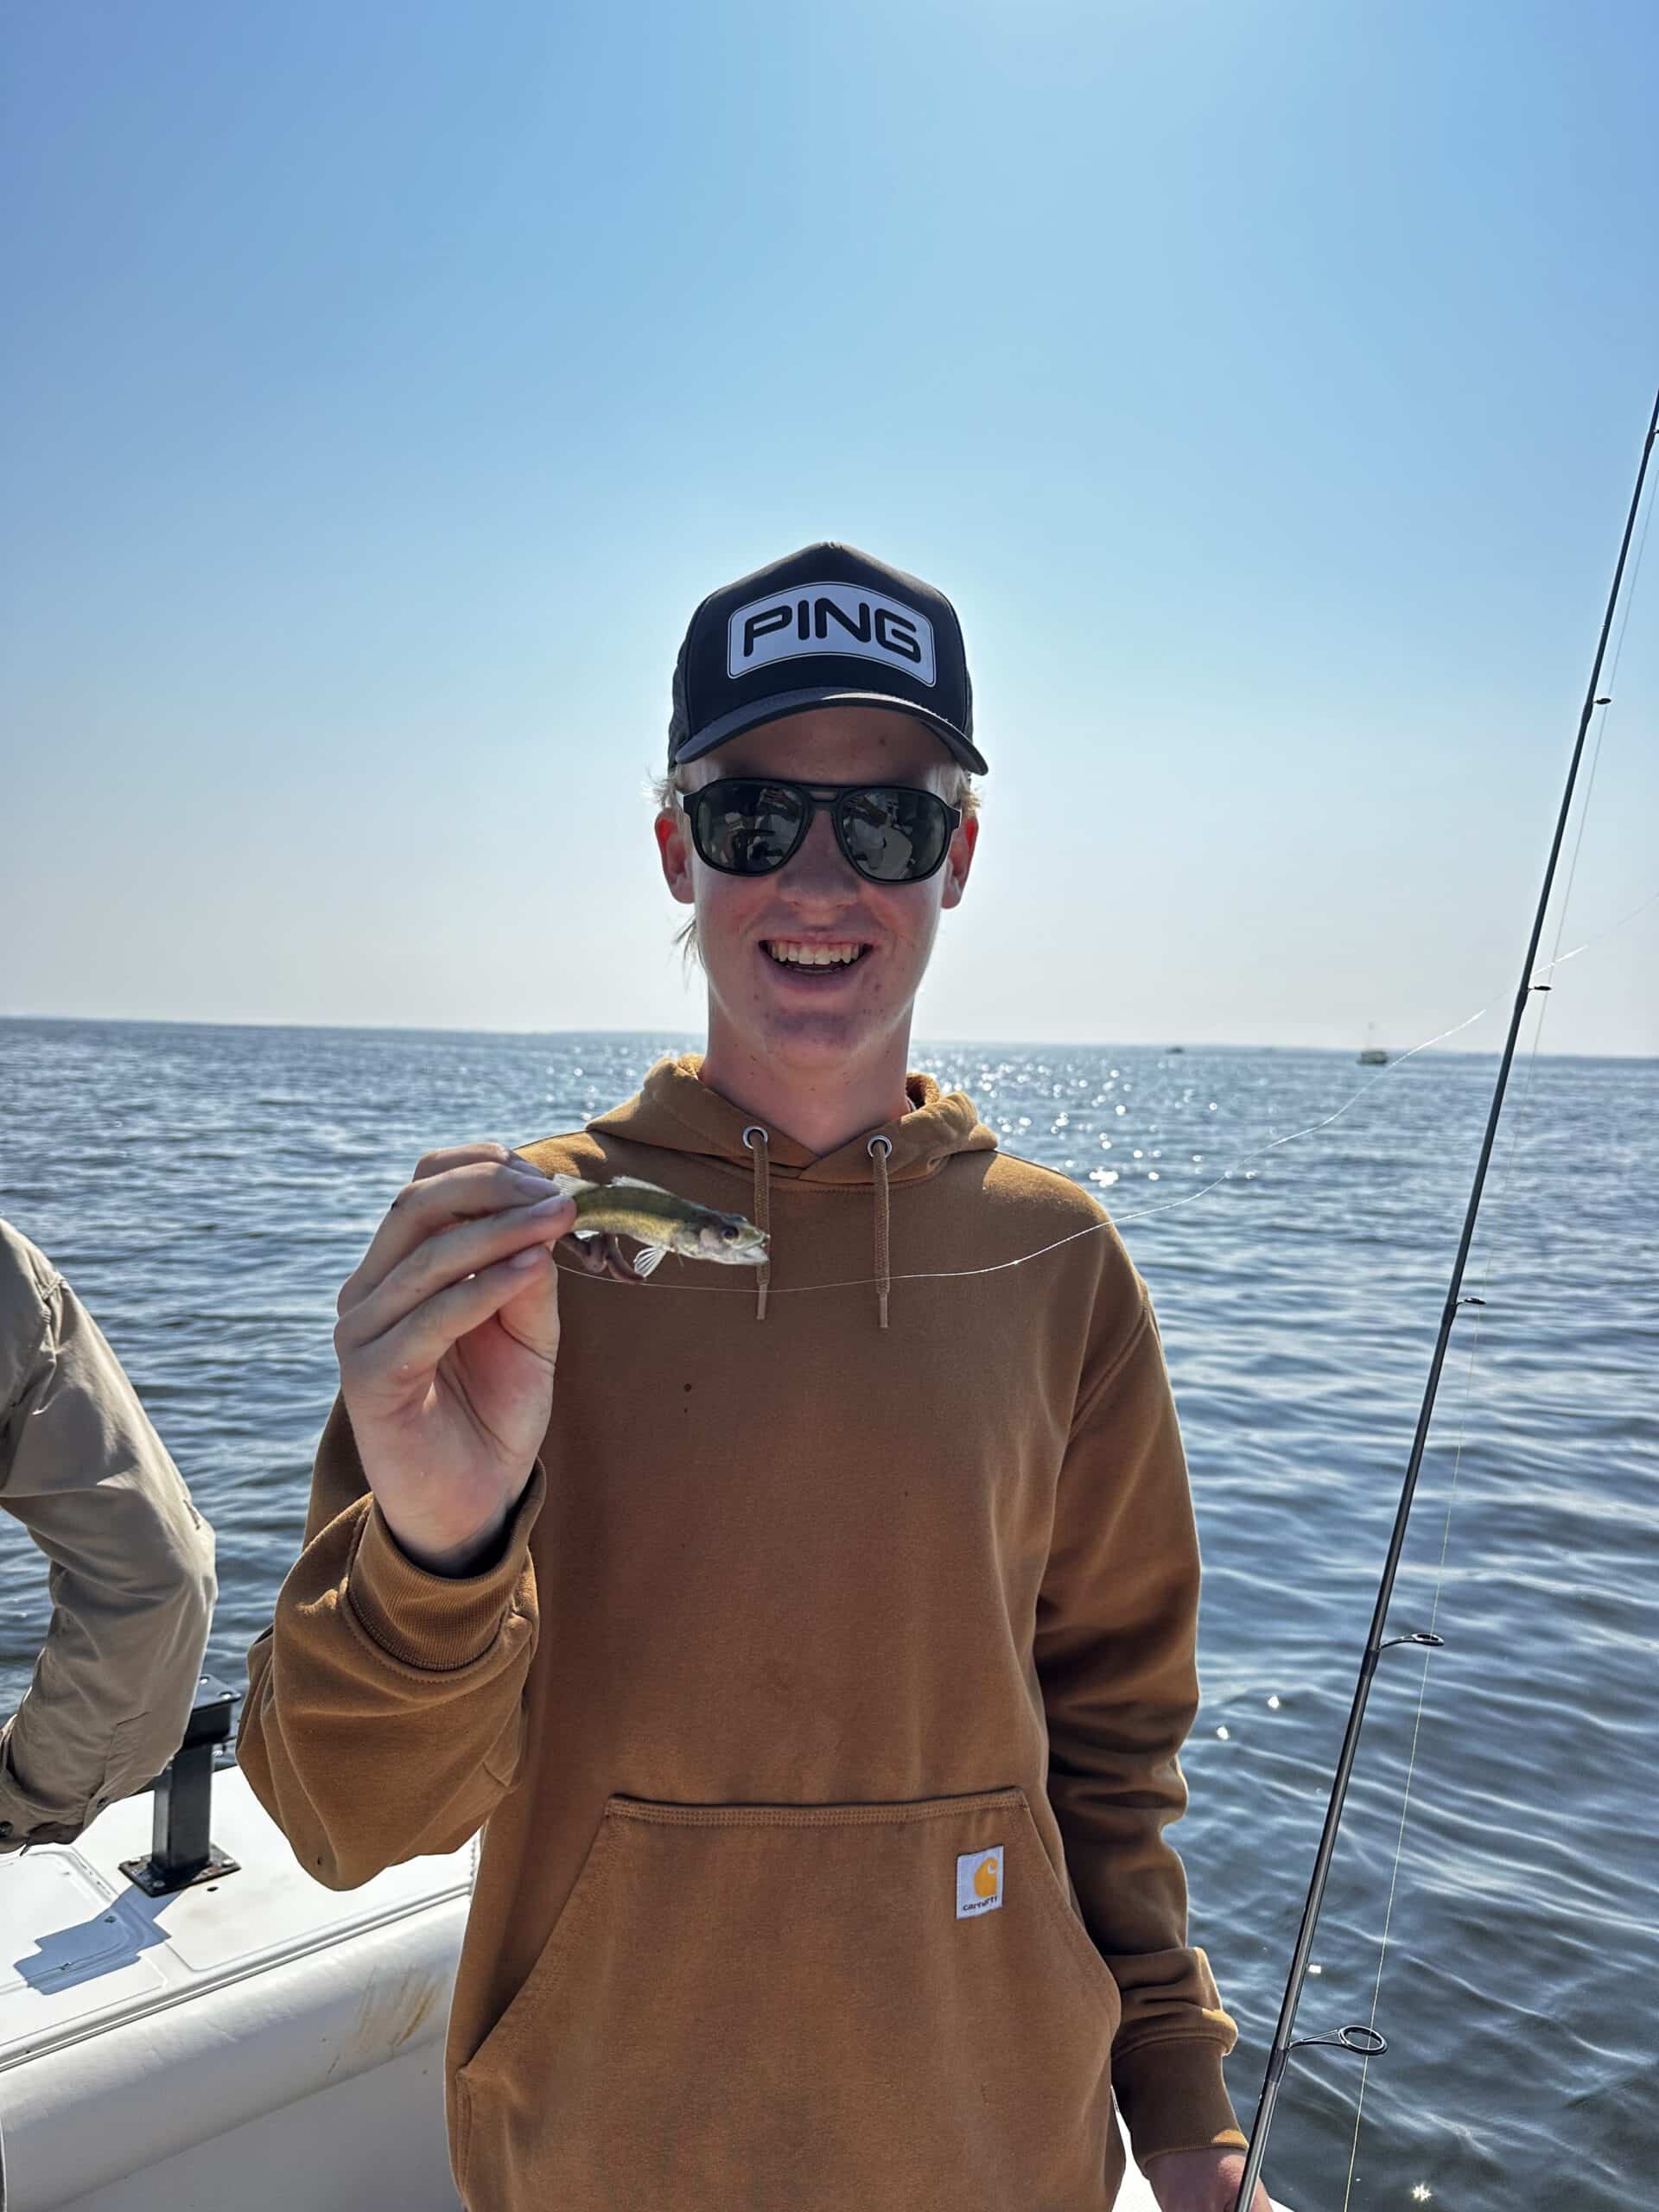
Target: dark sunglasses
(749, 825)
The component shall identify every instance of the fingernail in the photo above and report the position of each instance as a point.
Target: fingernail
(548, 1207)
(520, 1165)
(528, 1257)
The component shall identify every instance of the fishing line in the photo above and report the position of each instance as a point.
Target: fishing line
(1477, 1305)
(1606, 705)
(1363, 2039)
(1163, 1205)
(1641, 908)
(1519, 1124)
(1094, 1228)
(1137, 1213)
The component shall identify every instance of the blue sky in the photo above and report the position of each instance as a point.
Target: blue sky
(1264, 382)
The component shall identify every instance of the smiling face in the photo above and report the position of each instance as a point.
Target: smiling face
(850, 1020)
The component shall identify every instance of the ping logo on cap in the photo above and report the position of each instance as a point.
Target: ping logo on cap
(979, 1882)
(830, 619)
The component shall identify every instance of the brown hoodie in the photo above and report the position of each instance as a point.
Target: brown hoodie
(824, 1707)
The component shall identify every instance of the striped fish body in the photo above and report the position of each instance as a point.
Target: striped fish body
(662, 1221)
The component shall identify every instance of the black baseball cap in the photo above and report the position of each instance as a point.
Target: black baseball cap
(828, 627)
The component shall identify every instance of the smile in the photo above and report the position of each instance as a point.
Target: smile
(813, 959)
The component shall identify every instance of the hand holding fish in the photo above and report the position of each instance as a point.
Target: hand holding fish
(448, 1330)
(448, 1337)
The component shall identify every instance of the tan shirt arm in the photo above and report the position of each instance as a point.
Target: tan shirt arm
(386, 1717)
(131, 1575)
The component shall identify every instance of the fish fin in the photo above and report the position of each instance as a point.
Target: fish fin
(586, 1237)
(571, 1186)
(648, 1258)
(630, 1183)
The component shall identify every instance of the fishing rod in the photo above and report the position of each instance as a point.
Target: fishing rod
(1363, 2039)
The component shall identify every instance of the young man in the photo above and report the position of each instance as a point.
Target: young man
(821, 1683)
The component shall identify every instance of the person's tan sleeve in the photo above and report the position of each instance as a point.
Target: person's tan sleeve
(1117, 1655)
(131, 1573)
(384, 1714)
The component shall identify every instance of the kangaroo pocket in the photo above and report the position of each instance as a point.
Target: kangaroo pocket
(800, 2008)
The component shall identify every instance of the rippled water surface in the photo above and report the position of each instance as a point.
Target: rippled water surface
(207, 1189)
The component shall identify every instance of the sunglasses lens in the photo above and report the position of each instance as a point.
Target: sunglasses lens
(895, 834)
(748, 828)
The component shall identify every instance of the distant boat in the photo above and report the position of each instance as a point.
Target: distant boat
(1174, 1048)
(1371, 1055)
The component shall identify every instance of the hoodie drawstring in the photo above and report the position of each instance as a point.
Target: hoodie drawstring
(762, 1210)
(758, 1142)
(883, 1279)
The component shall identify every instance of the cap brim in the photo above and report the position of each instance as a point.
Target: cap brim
(781, 704)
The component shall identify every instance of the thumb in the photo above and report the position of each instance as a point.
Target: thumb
(530, 1313)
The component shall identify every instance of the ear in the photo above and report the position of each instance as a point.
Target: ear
(674, 848)
(961, 860)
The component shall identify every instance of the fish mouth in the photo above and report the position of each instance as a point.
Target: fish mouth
(740, 1255)
(750, 1253)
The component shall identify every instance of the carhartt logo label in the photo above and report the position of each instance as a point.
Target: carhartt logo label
(830, 619)
(979, 1882)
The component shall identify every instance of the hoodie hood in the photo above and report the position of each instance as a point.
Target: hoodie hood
(675, 1111)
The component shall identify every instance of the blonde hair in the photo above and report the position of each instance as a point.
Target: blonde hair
(960, 791)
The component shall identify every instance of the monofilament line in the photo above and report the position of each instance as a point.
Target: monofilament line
(1137, 1213)
(1519, 1124)
(1164, 1205)
(1607, 706)
(1282, 2043)
(1500, 1192)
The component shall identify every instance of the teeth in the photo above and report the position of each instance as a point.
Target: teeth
(814, 956)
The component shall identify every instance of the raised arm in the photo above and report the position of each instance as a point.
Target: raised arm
(385, 1711)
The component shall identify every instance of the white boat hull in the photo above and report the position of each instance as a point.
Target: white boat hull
(255, 2044)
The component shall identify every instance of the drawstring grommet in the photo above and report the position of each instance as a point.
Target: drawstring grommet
(883, 1278)
(762, 1207)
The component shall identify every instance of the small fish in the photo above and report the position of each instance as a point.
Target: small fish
(626, 1206)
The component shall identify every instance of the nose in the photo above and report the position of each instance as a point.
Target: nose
(819, 867)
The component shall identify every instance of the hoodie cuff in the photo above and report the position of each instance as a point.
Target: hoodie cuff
(1173, 2097)
(440, 1622)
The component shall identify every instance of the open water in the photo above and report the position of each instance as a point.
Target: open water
(208, 1189)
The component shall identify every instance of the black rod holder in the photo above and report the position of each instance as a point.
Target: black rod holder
(182, 1851)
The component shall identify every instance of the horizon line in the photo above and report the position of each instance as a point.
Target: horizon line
(1026, 1044)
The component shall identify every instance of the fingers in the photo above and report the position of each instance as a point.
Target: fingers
(617, 1262)
(465, 1183)
(601, 1256)
(408, 1352)
(447, 1257)
(462, 1155)
(586, 1254)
